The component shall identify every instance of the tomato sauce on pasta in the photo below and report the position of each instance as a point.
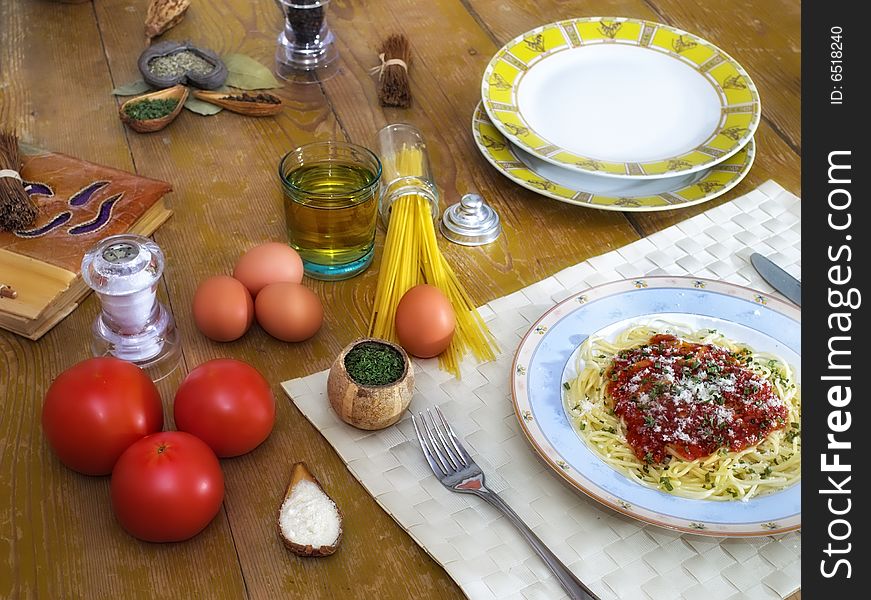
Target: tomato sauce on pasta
(691, 399)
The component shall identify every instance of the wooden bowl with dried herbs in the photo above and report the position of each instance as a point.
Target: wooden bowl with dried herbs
(371, 384)
(154, 111)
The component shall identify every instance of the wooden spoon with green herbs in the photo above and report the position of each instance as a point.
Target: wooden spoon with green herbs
(154, 111)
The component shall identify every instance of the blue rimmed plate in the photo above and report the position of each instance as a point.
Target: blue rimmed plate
(545, 359)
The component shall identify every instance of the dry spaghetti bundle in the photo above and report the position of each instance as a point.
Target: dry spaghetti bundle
(411, 253)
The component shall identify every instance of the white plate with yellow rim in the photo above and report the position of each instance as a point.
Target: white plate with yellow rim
(620, 97)
(607, 193)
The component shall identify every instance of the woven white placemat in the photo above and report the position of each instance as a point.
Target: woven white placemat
(616, 556)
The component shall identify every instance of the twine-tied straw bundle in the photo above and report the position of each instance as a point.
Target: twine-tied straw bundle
(17, 210)
(393, 83)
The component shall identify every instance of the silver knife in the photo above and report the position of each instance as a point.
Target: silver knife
(779, 279)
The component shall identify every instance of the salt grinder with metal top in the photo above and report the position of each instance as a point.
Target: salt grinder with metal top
(124, 271)
(471, 222)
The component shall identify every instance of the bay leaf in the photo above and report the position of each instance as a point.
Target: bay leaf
(134, 88)
(246, 73)
(201, 108)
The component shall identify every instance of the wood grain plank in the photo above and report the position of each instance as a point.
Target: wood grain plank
(541, 236)
(229, 199)
(58, 536)
(219, 241)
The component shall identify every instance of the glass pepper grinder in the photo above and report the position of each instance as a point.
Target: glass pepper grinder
(306, 50)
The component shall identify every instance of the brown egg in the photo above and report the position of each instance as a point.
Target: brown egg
(223, 309)
(268, 263)
(425, 321)
(289, 311)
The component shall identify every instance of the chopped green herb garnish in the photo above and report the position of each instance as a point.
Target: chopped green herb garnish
(147, 109)
(372, 363)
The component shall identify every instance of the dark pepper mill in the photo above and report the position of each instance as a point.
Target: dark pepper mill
(306, 48)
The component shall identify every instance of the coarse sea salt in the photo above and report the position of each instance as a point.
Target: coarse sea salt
(309, 517)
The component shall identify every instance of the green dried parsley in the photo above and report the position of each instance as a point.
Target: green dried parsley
(372, 363)
(147, 109)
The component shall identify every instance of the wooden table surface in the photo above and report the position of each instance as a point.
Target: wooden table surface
(58, 64)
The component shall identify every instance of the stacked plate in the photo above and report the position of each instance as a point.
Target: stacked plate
(617, 114)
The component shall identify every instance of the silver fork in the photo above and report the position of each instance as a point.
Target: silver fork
(456, 470)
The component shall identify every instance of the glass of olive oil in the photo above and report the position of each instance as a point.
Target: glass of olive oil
(330, 203)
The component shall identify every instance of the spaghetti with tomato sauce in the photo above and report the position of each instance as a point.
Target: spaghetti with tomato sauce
(692, 399)
(691, 413)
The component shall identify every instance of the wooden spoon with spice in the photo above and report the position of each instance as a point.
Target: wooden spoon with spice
(154, 111)
(258, 104)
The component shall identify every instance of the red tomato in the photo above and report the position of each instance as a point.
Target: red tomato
(227, 404)
(167, 487)
(94, 410)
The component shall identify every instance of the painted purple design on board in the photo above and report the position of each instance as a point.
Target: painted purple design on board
(48, 227)
(84, 195)
(101, 220)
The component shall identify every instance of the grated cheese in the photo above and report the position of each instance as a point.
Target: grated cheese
(309, 517)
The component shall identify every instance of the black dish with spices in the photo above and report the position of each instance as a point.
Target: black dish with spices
(169, 63)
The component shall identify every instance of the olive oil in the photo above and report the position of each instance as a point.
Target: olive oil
(331, 208)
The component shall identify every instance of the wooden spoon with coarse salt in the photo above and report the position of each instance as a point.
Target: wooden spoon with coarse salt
(309, 522)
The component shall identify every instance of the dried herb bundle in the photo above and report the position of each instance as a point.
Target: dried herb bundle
(17, 210)
(393, 84)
